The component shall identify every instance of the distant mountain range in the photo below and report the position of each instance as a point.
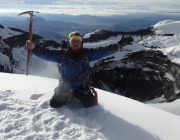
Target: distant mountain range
(92, 20)
(49, 35)
(57, 27)
(49, 29)
(7, 18)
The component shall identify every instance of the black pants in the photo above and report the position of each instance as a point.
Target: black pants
(87, 99)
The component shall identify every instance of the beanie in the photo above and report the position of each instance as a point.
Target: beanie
(75, 35)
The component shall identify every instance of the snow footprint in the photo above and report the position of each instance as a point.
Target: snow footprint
(44, 105)
(41, 106)
(5, 94)
(3, 106)
(35, 96)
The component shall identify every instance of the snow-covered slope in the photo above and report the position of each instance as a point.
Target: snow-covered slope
(5, 50)
(169, 45)
(13, 54)
(37, 67)
(167, 27)
(98, 31)
(5, 32)
(25, 114)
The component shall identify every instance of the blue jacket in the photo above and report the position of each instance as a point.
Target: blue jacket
(92, 53)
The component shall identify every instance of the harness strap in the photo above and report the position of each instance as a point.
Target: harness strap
(79, 75)
(70, 78)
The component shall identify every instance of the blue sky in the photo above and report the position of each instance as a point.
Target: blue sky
(92, 7)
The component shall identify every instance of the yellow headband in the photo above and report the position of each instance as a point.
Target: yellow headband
(75, 35)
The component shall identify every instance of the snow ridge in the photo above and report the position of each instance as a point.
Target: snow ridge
(98, 31)
(6, 32)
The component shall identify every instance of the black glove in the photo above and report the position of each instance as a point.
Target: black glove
(125, 41)
(63, 44)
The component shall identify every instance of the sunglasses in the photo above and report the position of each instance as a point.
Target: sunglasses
(76, 42)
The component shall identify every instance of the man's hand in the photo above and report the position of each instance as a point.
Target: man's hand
(125, 41)
(63, 44)
(30, 45)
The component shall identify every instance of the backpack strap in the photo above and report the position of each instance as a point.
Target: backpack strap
(86, 59)
(64, 58)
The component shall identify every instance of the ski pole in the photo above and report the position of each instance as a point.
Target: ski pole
(29, 37)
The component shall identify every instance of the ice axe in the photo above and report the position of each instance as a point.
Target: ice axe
(29, 37)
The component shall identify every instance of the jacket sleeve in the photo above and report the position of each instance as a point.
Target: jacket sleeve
(100, 52)
(49, 55)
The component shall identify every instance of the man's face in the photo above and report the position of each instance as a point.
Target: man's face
(75, 44)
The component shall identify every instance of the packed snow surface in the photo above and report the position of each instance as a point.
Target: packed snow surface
(25, 115)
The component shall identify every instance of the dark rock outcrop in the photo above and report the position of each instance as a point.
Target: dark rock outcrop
(50, 43)
(142, 76)
(4, 66)
(5, 69)
(20, 41)
(1, 26)
(16, 29)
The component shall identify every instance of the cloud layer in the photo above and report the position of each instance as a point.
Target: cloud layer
(92, 7)
(90, 2)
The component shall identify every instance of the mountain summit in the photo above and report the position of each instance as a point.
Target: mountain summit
(144, 71)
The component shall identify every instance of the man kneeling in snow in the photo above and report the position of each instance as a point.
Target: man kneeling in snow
(75, 67)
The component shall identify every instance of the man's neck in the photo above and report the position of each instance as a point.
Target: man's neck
(76, 51)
